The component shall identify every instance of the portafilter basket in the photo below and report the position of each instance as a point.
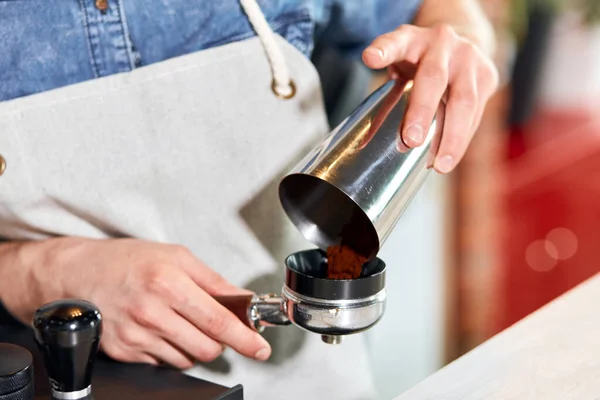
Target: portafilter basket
(332, 308)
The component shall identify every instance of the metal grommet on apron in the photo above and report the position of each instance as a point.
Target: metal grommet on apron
(282, 85)
(2, 165)
(284, 96)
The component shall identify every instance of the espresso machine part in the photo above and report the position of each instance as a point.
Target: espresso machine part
(355, 185)
(331, 308)
(68, 334)
(16, 373)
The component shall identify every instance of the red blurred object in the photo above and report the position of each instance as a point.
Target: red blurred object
(552, 181)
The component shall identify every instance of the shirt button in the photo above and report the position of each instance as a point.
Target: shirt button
(102, 5)
(2, 165)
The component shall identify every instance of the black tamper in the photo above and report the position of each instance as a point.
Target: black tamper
(68, 334)
(16, 373)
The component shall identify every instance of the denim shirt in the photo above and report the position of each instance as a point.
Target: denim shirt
(49, 44)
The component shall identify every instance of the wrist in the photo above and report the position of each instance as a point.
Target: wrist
(16, 286)
(8, 256)
(27, 278)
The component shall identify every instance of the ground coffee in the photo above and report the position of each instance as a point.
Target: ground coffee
(343, 262)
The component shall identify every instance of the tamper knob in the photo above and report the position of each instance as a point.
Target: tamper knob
(68, 334)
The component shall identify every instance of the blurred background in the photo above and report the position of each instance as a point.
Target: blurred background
(516, 225)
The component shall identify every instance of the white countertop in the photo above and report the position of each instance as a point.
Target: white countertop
(553, 353)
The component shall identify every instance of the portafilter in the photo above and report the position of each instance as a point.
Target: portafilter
(351, 189)
(330, 307)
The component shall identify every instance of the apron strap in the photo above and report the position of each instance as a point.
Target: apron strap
(282, 84)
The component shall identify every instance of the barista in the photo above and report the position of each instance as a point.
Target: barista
(65, 236)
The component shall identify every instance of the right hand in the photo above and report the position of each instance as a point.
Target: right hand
(156, 299)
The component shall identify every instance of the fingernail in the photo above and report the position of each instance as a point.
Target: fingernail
(375, 51)
(263, 354)
(414, 133)
(401, 146)
(444, 164)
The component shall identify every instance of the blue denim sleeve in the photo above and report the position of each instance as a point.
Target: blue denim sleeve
(351, 25)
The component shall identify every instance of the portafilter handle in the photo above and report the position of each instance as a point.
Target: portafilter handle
(257, 311)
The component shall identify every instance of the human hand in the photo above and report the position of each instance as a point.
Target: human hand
(155, 299)
(444, 66)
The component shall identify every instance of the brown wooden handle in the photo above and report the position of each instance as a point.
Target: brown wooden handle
(239, 305)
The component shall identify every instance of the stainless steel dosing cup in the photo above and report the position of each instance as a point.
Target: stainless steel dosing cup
(355, 185)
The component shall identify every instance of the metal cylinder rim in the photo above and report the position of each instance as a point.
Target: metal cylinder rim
(296, 297)
(295, 218)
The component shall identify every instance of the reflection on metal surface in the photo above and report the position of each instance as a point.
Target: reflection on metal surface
(79, 394)
(326, 317)
(356, 184)
(267, 310)
(334, 317)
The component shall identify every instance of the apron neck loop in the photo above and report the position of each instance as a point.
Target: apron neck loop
(282, 84)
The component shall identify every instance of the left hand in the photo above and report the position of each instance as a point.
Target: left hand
(444, 66)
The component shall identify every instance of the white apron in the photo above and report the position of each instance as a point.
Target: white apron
(186, 151)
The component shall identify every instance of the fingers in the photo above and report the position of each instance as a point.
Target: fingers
(441, 63)
(133, 343)
(402, 44)
(120, 353)
(429, 85)
(143, 343)
(469, 91)
(167, 353)
(207, 278)
(487, 82)
(213, 283)
(115, 348)
(142, 358)
(179, 292)
(173, 328)
(457, 132)
(220, 324)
